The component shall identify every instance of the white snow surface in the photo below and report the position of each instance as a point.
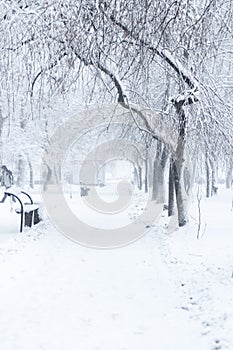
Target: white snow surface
(165, 292)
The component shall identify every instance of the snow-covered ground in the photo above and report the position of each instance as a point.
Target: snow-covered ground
(163, 292)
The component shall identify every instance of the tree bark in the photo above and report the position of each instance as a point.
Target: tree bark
(155, 179)
(159, 167)
(21, 172)
(135, 172)
(139, 178)
(214, 182)
(171, 197)
(146, 175)
(47, 175)
(178, 165)
(158, 193)
(31, 174)
(181, 208)
(229, 176)
(208, 177)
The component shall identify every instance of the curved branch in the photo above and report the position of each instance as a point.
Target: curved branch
(51, 66)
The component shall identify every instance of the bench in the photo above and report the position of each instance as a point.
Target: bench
(29, 212)
(84, 189)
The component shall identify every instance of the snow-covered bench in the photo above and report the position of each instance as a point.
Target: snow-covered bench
(83, 189)
(29, 210)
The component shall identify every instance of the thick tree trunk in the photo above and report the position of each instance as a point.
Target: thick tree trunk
(178, 166)
(158, 191)
(180, 202)
(161, 185)
(159, 167)
(171, 196)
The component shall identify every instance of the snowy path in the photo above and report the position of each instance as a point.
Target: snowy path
(162, 292)
(57, 295)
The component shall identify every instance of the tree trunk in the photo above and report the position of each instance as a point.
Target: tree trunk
(178, 165)
(21, 172)
(161, 178)
(208, 177)
(136, 180)
(139, 178)
(146, 175)
(150, 173)
(229, 176)
(181, 207)
(158, 191)
(57, 173)
(47, 174)
(171, 197)
(155, 179)
(31, 175)
(159, 167)
(214, 182)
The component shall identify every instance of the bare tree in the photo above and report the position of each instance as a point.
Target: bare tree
(126, 47)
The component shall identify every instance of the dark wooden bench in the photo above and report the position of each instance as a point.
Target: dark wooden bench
(29, 211)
